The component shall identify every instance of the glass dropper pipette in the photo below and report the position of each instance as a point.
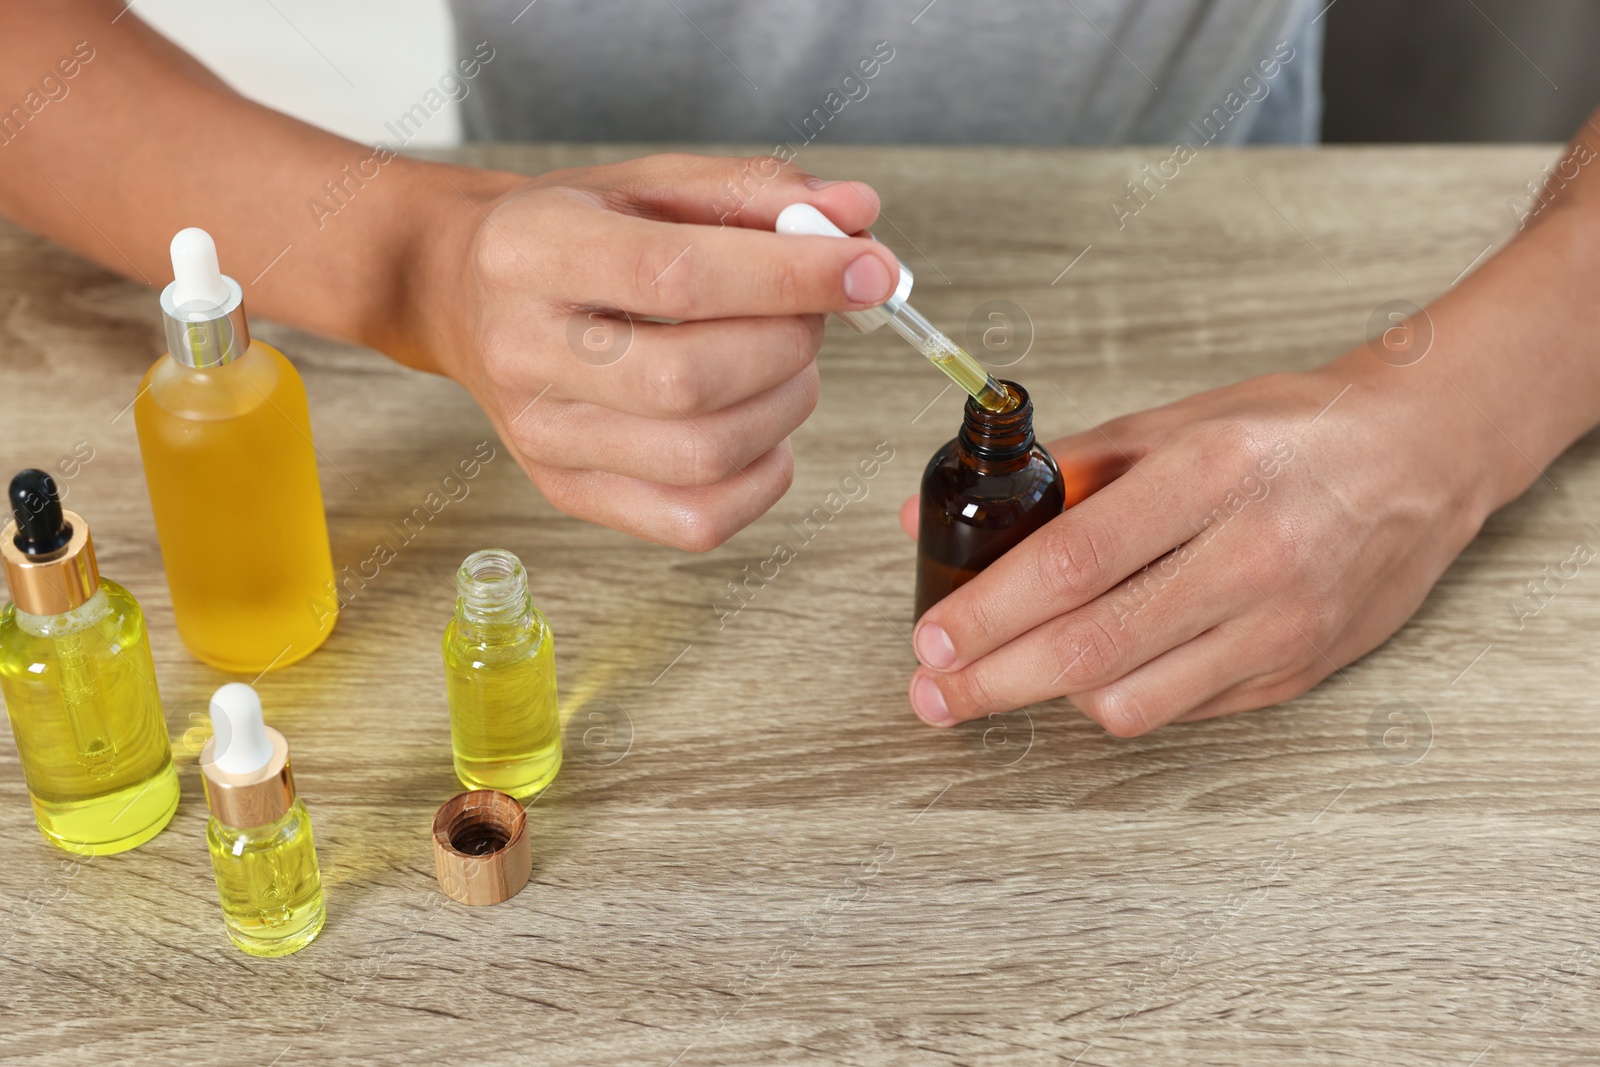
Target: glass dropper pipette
(904, 319)
(950, 358)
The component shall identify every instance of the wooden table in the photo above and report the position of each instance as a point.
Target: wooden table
(755, 854)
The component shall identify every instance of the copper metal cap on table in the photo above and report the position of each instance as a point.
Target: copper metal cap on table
(53, 584)
(481, 850)
(243, 801)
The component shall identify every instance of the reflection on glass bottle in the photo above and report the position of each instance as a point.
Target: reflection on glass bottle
(79, 683)
(500, 679)
(983, 493)
(259, 833)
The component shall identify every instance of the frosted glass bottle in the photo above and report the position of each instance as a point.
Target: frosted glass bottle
(225, 435)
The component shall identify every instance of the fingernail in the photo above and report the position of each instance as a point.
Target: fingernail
(928, 702)
(821, 183)
(934, 647)
(866, 281)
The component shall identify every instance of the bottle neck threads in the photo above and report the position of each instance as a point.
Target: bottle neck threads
(492, 589)
(998, 436)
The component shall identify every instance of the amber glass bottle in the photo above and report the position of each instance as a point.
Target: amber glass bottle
(982, 494)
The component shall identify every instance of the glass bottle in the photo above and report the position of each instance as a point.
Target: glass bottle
(225, 435)
(500, 680)
(259, 833)
(983, 493)
(79, 684)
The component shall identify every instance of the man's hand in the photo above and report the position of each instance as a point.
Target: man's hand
(1258, 538)
(640, 337)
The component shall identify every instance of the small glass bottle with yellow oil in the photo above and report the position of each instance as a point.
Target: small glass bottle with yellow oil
(259, 832)
(500, 679)
(225, 434)
(79, 684)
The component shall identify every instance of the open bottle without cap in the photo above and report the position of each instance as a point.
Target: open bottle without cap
(79, 683)
(500, 680)
(259, 832)
(983, 493)
(225, 435)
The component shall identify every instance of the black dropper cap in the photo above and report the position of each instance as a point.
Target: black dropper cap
(42, 529)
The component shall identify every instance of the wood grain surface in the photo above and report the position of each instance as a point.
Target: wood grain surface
(755, 853)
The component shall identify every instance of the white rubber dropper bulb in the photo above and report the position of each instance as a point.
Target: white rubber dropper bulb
(241, 743)
(196, 274)
(807, 220)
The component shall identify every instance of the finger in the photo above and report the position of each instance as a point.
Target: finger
(1173, 684)
(579, 436)
(746, 191)
(1092, 460)
(1256, 693)
(669, 371)
(909, 512)
(1063, 565)
(1080, 650)
(681, 272)
(697, 518)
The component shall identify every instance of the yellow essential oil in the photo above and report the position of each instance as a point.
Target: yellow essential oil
(268, 882)
(500, 679)
(225, 434)
(259, 833)
(79, 684)
(969, 374)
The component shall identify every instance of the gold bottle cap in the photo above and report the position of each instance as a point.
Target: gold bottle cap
(481, 851)
(252, 799)
(55, 583)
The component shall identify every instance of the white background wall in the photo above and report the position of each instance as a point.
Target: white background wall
(346, 65)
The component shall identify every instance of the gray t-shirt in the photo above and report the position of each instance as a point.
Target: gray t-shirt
(1038, 72)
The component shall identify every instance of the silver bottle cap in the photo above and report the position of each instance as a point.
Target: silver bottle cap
(203, 334)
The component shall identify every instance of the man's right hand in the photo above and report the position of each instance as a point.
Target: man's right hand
(546, 299)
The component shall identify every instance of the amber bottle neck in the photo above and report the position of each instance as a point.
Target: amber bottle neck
(994, 438)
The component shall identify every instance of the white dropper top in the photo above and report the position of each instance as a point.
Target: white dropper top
(241, 743)
(807, 220)
(196, 274)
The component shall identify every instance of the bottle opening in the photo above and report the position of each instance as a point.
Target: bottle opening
(999, 435)
(493, 586)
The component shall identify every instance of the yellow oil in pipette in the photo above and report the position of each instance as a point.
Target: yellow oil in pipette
(805, 220)
(970, 375)
(951, 358)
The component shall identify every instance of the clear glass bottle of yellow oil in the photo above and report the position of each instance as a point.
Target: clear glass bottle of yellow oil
(225, 434)
(259, 833)
(79, 684)
(500, 679)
